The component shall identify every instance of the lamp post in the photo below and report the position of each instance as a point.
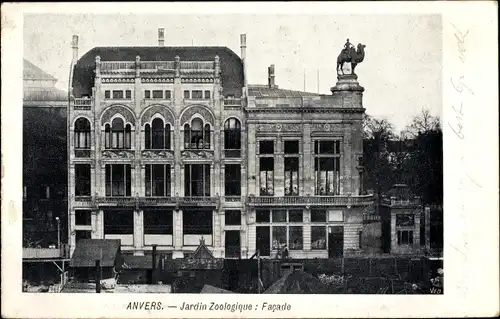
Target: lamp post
(58, 233)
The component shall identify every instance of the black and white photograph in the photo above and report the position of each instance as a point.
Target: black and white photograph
(235, 154)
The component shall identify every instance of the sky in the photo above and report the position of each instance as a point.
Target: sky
(401, 72)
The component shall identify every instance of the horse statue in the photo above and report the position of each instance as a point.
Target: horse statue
(349, 54)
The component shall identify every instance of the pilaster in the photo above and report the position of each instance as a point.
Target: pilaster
(279, 168)
(251, 160)
(307, 161)
(138, 232)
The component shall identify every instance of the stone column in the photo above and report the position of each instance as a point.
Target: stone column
(102, 177)
(307, 161)
(394, 233)
(178, 235)
(100, 224)
(346, 161)
(138, 232)
(279, 169)
(95, 221)
(217, 231)
(306, 231)
(244, 233)
(244, 163)
(137, 92)
(416, 232)
(251, 161)
(222, 183)
(72, 237)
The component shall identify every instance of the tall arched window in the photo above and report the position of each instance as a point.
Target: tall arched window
(197, 135)
(232, 134)
(157, 135)
(118, 136)
(82, 133)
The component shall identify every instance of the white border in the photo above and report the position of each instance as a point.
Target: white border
(471, 175)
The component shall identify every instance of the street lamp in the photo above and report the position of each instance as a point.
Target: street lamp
(58, 233)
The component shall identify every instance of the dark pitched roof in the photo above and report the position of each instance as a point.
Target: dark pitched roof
(208, 289)
(32, 72)
(297, 282)
(231, 64)
(266, 91)
(87, 251)
(202, 252)
(45, 95)
(139, 262)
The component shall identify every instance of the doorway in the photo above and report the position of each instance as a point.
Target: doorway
(263, 240)
(335, 241)
(233, 246)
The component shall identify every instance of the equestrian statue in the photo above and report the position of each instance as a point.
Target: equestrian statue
(352, 55)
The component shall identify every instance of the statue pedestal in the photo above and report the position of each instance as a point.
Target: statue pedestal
(347, 82)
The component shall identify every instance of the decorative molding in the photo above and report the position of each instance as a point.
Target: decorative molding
(303, 110)
(117, 154)
(118, 80)
(109, 112)
(157, 80)
(152, 110)
(326, 127)
(157, 154)
(197, 80)
(279, 127)
(197, 154)
(192, 110)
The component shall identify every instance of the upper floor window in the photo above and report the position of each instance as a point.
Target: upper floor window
(118, 135)
(197, 180)
(157, 180)
(207, 95)
(291, 147)
(157, 135)
(118, 180)
(82, 179)
(326, 147)
(187, 94)
(117, 94)
(197, 135)
(266, 147)
(168, 94)
(232, 134)
(128, 94)
(197, 94)
(266, 166)
(327, 167)
(107, 94)
(291, 176)
(147, 94)
(157, 94)
(82, 133)
(232, 180)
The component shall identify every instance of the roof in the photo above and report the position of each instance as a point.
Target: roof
(202, 252)
(297, 282)
(139, 262)
(266, 91)
(45, 95)
(32, 72)
(208, 289)
(230, 63)
(87, 251)
(400, 191)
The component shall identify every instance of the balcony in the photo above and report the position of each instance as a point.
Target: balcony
(200, 201)
(84, 103)
(310, 200)
(154, 66)
(117, 66)
(232, 103)
(232, 199)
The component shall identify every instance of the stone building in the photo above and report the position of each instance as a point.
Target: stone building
(170, 145)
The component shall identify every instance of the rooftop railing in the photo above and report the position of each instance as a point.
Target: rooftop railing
(82, 103)
(310, 200)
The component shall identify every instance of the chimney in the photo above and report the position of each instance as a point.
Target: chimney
(74, 46)
(161, 37)
(243, 46)
(270, 76)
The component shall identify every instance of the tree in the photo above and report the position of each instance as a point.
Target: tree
(421, 123)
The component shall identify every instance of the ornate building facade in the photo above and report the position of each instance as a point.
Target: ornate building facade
(170, 145)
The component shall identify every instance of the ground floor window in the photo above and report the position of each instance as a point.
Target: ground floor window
(405, 237)
(158, 222)
(318, 237)
(83, 217)
(286, 227)
(118, 222)
(197, 222)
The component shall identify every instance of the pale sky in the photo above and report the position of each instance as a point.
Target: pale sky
(401, 72)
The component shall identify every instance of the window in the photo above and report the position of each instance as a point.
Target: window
(318, 237)
(157, 180)
(232, 134)
(233, 217)
(327, 147)
(107, 94)
(82, 234)
(262, 216)
(360, 239)
(158, 222)
(197, 136)
(118, 180)
(279, 236)
(197, 94)
(157, 135)
(83, 217)
(327, 175)
(118, 222)
(291, 147)
(82, 133)
(197, 180)
(295, 238)
(118, 136)
(147, 94)
(207, 95)
(422, 230)
(266, 147)
(232, 180)
(295, 216)
(117, 95)
(291, 176)
(318, 216)
(128, 94)
(187, 95)
(196, 222)
(266, 176)
(168, 95)
(279, 216)
(157, 94)
(82, 179)
(405, 237)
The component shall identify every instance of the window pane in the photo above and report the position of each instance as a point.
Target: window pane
(148, 180)
(295, 216)
(279, 216)
(197, 222)
(128, 94)
(147, 94)
(266, 147)
(233, 217)
(318, 237)
(168, 95)
(318, 216)
(207, 94)
(291, 147)
(117, 95)
(232, 180)
(296, 239)
(187, 94)
(157, 94)
(197, 94)
(107, 94)
(119, 222)
(147, 136)
(262, 215)
(83, 217)
(158, 222)
(158, 131)
(279, 236)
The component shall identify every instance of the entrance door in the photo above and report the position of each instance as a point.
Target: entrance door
(233, 249)
(335, 241)
(263, 240)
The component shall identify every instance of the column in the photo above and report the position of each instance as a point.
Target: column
(251, 160)
(137, 91)
(394, 234)
(139, 232)
(178, 235)
(102, 177)
(95, 221)
(222, 183)
(307, 161)
(306, 231)
(244, 233)
(279, 168)
(347, 163)
(217, 231)
(416, 232)
(251, 233)
(100, 225)
(222, 225)
(72, 238)
(244, 164)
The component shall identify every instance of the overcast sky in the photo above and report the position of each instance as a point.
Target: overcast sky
(401, 71)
